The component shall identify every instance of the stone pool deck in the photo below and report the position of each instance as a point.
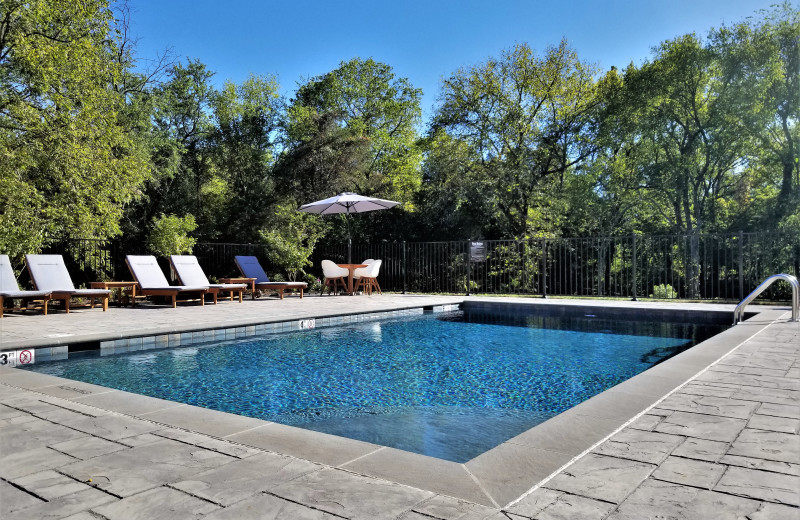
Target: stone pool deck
(720, 442)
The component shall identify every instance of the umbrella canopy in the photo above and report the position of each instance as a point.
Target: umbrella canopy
(347, 203)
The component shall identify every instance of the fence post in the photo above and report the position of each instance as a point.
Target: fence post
(404, 267)
(634, 266)
(469, 266)
(544, 268)
(741, 265)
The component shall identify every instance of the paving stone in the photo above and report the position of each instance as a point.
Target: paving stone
(49, 484)
(269, 507)
(125, 473)
(784, 447)
(663, 500)
(13, 422)
(446, 508)
(770, 511)
(791, 411)
(156, 504)
(87, 447)
(209, 443)
(14, 499)
(709, 405)
(775, 424)
(646, 422)
(763, 371)
(689, 472)
(708, 389)
(240, 479)
(761, 464)
(6, 412)
(83, 515)
(21, 463)
(549, 504)
(722, 367)
(63, 506)
(35, 434)
(702, 449)
(639, 445)
(211, 422)
(112, 427)
(752, 381)
(351, 496)
(141, 440)
(762, 485)
(603, 478)
(700, 426)
(768, 395)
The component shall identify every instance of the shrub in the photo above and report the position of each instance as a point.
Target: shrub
(664, 292)
(170, 235)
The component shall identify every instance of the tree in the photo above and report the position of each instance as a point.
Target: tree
(68, 166)
(526, 121)
(761, 59)
(376, 116)
(241, 147)
(178, 125)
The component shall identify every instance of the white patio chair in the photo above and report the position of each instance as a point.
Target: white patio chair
(334, 276)
(369, 277)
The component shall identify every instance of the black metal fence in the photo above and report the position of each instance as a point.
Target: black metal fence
(703, 267)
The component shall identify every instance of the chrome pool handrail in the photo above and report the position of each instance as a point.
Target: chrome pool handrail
(738, 313)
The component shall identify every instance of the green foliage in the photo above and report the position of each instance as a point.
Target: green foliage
(522, 122)
(664, 292)
(68, 164)
(291, 238)
(170, 235)
(364, 120)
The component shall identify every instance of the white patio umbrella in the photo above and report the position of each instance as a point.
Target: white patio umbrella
(347, 203)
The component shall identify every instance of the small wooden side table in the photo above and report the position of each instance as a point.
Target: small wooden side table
(118, 285)
(250, 281)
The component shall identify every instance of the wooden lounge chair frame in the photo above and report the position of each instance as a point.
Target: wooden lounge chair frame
(189, 272)
(250, 267)
(161, 287)
(49, 274)
(9, 289)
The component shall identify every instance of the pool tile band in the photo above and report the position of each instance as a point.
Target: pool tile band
(198, 337)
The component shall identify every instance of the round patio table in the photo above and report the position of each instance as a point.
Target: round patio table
(350, 268)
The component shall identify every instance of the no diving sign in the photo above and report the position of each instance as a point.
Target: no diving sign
(13, 358)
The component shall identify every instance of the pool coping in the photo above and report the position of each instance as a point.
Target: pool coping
(495, 478)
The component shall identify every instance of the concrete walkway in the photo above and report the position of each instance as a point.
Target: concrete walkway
(725, 444)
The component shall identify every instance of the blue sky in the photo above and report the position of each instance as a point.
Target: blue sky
(422, 40)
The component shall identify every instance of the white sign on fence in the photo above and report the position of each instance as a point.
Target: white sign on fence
(13, 358)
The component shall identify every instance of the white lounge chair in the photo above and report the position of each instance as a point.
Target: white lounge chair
(251, 268)
(49, 274)
(152, 282)
(334, 276)
(9, 288)
(190, 273)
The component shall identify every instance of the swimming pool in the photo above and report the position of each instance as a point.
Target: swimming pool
(449, 385)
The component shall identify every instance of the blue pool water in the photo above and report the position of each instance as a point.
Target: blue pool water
(447, 385)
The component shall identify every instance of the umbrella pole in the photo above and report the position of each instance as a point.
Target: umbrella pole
(349, 250)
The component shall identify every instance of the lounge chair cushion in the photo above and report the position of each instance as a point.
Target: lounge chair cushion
(8, 282)
(190, 272)
(150, 277)
(49, 273)
(251, 268)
